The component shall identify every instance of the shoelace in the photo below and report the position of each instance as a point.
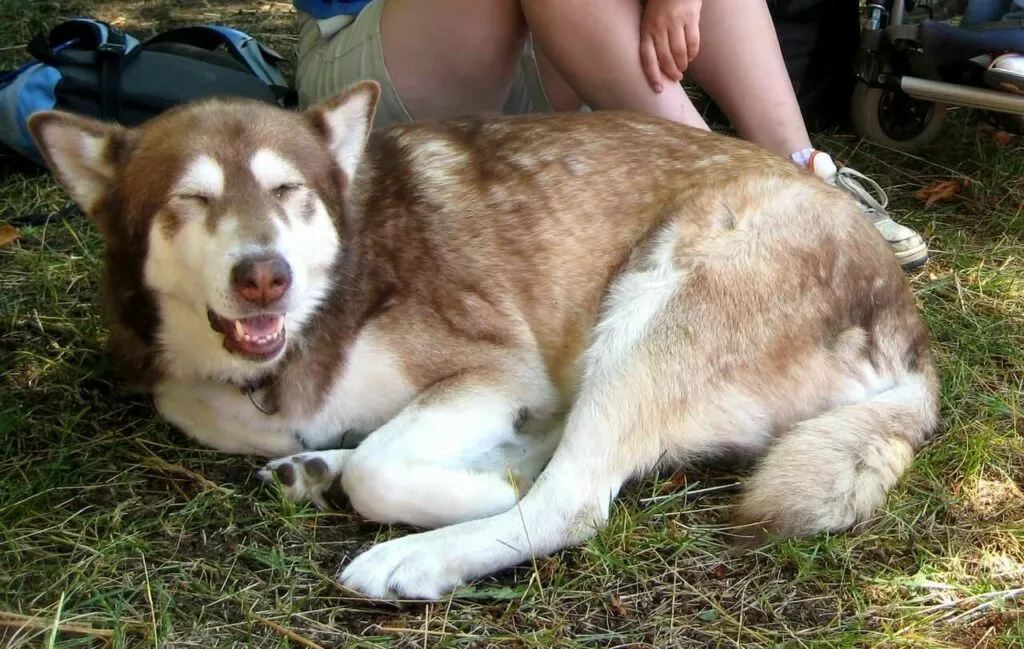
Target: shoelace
(851, 180)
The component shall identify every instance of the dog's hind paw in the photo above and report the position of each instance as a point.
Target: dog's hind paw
(309, 477)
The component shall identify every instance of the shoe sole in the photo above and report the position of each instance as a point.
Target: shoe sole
(913, 258)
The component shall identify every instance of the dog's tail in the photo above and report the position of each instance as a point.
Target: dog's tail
(832, 471)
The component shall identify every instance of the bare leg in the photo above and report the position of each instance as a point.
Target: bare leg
(750, 83)
(589, 56)
(451, 57)
(598, 55)
(563, 97)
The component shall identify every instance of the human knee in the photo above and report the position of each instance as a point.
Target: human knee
(433, 78)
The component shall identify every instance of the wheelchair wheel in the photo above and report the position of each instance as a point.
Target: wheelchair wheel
(893, 118)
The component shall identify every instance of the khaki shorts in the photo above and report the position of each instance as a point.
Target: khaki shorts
(339, 51)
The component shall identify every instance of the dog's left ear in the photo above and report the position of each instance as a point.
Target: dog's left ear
(345, 121)
(84, 154)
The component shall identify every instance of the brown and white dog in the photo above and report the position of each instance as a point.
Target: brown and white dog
(513, 315)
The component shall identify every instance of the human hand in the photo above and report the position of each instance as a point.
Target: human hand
(669, 39)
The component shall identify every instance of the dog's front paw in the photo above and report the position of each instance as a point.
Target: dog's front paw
(420, 567)
(309, 477)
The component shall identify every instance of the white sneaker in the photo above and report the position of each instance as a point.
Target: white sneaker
(910, 249)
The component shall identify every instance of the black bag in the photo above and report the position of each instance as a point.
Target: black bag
(91, 68)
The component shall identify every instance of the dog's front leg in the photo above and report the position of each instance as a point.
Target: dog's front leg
(456, 453)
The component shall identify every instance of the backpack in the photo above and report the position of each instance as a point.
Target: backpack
(88, 67)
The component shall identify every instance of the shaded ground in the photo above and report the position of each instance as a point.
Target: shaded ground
(110, 521)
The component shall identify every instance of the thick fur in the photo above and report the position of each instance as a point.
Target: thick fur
(511, 316)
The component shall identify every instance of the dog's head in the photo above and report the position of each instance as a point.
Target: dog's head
(222, 221)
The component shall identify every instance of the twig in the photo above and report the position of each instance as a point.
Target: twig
(988, 632)
(288, 633)
(990, 601)
(156, 462)
(16, 620)
(428, 632)
(687, 493)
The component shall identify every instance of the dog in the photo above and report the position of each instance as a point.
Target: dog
(483, 327)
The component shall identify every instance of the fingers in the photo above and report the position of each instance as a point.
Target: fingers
(692, 41)
(667, 57)
(669, 40)
(649, 61)
(678, 42)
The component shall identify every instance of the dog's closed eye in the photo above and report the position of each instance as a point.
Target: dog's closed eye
(199, 199)
(284, 190)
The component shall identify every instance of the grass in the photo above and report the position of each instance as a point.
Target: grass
(116, 532)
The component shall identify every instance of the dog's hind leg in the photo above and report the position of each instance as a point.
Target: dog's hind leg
(633, 392)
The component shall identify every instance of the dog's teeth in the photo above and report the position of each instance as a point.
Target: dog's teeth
(247, 338)
(239, 330)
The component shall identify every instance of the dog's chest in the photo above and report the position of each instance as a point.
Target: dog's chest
(370, 389)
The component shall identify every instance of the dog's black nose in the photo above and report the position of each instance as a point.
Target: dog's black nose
(261, 280)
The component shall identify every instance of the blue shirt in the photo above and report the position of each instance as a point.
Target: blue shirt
(321, 9)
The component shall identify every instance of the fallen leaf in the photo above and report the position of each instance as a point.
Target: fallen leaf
(940, 190)
(547, 567)
(1004, 138)
(675, 483)
(618, 607)
(8, 233)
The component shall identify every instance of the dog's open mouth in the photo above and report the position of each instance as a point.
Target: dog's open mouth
(259, 337)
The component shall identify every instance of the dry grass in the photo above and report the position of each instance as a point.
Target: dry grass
(116, 532)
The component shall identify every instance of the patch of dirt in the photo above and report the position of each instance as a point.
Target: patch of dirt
(998, 501)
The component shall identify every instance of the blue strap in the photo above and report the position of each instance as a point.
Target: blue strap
(253, 52)
(87, 34)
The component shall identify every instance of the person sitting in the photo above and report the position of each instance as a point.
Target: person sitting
(446, 58)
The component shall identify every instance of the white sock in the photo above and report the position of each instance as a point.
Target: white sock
(802, 157)
(817, 162)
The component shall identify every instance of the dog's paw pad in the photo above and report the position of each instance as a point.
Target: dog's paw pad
(315, 468)
(308, 477)
(285, 474)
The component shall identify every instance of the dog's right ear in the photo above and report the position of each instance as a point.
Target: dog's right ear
(85, 156)
(345, 121)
